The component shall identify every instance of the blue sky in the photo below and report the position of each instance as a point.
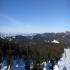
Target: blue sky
(34, 16)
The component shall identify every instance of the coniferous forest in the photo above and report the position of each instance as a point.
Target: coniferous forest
(32, 49)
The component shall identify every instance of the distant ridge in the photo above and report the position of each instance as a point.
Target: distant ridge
(29, 34)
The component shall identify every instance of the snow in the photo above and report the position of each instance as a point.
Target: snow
(55, 41)
(64, 62)
(9, 67)
(55, 67)
(46, 65)
(13, 37)
(16, 65)
(4, 68)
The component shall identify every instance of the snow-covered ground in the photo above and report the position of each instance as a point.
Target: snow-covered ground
(46, 65)
(64, 62)
(17, 64)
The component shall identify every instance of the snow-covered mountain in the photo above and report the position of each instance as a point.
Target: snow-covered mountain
(63, 37)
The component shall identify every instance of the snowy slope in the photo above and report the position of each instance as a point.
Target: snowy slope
(55, 41)
(64, 62)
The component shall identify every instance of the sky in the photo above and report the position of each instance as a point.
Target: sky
(34, 16)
